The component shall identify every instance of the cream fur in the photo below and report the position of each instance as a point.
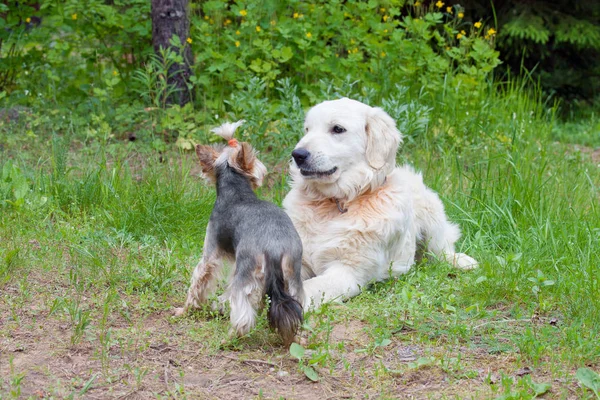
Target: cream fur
(389, 208)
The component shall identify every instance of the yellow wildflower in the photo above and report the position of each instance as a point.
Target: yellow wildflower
(417, 3)
(460, 35)
(243, 13)
(273, 22)
(237, 32)
(477, 24)
(258, 28)
(189, 40)
(449, 10)
(308, 35)
(295, 15)
(74, 16)
(227, 21)
(385, 31)
(491, 32)
(115, 73)
(382, 54)
(27, 20)
(385, 18)
(355, 50)
(463, 32)
(206, 17)
(237, 43)
(439, 4)
(382, 9)
(461, 15)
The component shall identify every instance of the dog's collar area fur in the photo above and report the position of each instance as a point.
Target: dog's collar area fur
(341, 206)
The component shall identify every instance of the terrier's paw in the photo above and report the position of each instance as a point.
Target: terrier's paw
(179, 311)
(463, 261)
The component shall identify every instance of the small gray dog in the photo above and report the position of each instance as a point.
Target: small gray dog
(257, 234)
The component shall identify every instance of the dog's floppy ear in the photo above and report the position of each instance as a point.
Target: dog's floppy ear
(207, 156)
(383, 138)
(250, 165)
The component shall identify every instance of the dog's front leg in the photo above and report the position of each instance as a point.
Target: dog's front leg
(204, 279)
(339, 282)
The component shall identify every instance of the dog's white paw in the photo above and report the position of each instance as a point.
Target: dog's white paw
(463, 261)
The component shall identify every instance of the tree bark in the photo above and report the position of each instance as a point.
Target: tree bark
(169, 18)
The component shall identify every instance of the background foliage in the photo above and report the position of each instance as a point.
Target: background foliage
(94, 59)
(558, 42)
(81, 53)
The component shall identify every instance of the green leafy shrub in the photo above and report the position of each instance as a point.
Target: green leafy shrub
(558, 43)
(380, 44)
(94, 67)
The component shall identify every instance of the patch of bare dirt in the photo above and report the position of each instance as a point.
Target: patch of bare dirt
(150, 355)
(593, 153)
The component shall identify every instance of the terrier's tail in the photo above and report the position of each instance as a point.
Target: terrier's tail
(285, 312)
(227, 130)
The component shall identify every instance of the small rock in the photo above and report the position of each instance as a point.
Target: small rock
(493, 379)
(523, 371)
(406, 354)
(282, 373)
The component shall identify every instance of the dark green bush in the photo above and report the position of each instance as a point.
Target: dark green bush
(558, 42)
(90, 65)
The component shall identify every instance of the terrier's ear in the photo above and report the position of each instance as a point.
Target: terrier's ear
(245, 158)
(258, 173)
(383, 138)
(250, 165)
(207, 156)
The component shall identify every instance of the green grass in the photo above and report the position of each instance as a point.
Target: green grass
(99, 240)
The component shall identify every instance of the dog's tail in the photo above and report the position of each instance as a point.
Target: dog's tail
(285, 312)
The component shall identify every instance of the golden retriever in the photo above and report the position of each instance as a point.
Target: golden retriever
(360, 217)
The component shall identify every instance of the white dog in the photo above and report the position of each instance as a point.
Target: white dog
(359, 216)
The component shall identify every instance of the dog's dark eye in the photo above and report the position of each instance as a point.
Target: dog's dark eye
(338, 129)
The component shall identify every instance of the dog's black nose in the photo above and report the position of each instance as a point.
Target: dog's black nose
(300, 155)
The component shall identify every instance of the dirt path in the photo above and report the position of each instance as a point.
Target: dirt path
(154, 355)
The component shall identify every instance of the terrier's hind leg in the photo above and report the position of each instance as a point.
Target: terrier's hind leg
(246, 293)
(292, 277)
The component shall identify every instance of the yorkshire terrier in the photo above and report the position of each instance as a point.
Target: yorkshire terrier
(258, 235)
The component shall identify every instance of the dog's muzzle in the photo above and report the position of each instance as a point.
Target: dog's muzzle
(300, 156)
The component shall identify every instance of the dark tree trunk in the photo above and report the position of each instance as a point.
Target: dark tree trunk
(169, 18)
